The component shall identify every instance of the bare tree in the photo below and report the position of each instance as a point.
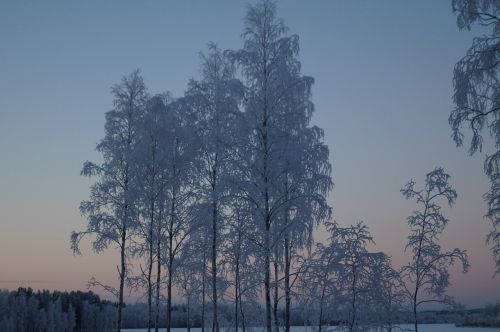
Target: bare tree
(426, 275)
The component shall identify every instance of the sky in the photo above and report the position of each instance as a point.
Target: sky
(382, 93)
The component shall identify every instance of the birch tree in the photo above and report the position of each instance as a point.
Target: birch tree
(215, 103)
(387, 295)
(426, 275)
(237, 255)
(354, 267)
(189, 280)
(272, 73)
(318, 284)
(477, 98)
(151, 165)
(199, 241)
(305, 185)
(110, 209)
(179, 195)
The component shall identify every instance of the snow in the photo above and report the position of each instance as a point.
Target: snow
(421, 327)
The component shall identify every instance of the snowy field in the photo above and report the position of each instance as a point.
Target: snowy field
(421, 328)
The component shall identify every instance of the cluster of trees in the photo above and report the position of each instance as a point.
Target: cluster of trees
(344, 282)
(209, 190)
(214, 196)
(488, 316)
(27, 311)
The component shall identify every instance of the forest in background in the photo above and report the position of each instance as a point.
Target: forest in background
(26, 310)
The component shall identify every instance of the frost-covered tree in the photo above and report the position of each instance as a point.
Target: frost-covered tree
(477, 98)
(343, 281)
(387, 297)
(150, 164)
(318, 283)
(214, 103)
(199, 241)
(355, 268)
(260, 59)
(305, 183)
(110, 209)
(277, 114)
(189, 279)
(237, 255)
(426, 275)
(179, 196)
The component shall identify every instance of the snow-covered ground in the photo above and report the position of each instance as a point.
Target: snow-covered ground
(422, 328)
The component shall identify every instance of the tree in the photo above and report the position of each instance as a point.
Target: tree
(214, 102)
(387, 295)
(355, 266)
(150, 163)
(277, 107)
(179, 196)
(199, 241)
(237, 256)
(477, 98)
(426, 275)
(260, 59)
(190, 279)
(162, 122)
(110, 209)
(318, 284)
(342, 281)
(304, 187)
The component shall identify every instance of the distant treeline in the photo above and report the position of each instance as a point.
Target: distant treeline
(24, 310)
(486, 317)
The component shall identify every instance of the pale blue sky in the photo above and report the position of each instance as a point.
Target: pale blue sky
(383, 72)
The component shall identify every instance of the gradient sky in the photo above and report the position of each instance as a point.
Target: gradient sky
(383, 72)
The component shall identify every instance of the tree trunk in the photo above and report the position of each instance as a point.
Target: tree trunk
(267, 211)
(122, 274)
(243, 326)
(417, 261)
(169, 296)
(241, 301)
(170, 260)
(215, 323)
(203, 285)
(353, 303)
(287, 283)
(267, 221)
(320, 321)
(158, 275)
(267, 288)
(188, 314)
(150, 267)
(236, 291)
(276, 298)
(415, 310)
